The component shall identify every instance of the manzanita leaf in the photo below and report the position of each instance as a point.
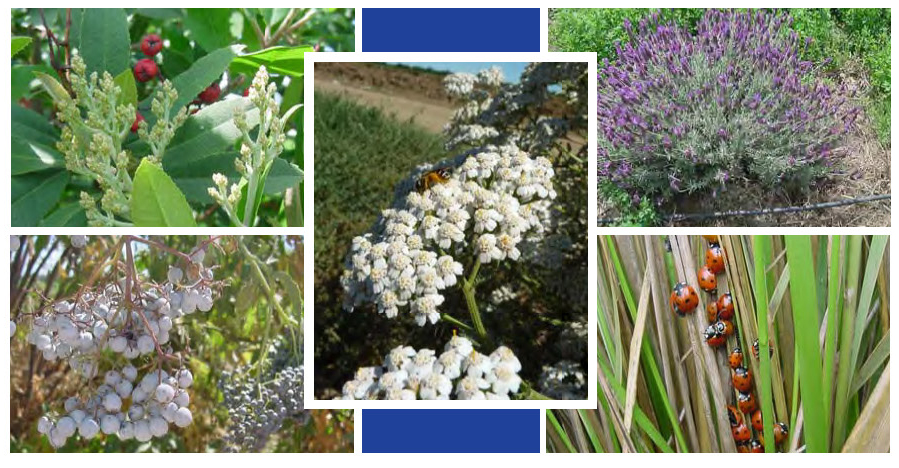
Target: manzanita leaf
(194, 175)
(28, 156)
(202, 73)
(125, 82)
(156, 201)
(33, 195)
(279, 60)
(282, 176)
(67, 215)
(18, 43)
(103, 42)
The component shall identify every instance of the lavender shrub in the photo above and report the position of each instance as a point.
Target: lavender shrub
(687, 113)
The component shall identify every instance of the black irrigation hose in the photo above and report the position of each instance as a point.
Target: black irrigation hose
(787, 209)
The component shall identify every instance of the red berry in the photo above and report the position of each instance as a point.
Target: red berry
(246, 92)
(145, 70)
(137, 120)
(210, 94)
(150, 45)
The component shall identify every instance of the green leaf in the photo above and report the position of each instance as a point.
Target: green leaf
(282, 176)
(67, 215)
(194, 175)
(209, 131)
(156, 200)
(202, 73)
(159, 13)
(19, 43)
(33, 195)
(280, 60)
(125, 81)
(31, 126)
(207, 27)
(28, 156)
(56, 91)
(22, 76)
(103, 42)
(293, 290)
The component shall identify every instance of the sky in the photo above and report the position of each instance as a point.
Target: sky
(511, 70)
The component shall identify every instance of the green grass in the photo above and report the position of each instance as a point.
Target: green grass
(821, 303)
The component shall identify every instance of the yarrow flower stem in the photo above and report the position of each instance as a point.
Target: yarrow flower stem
(472, 303)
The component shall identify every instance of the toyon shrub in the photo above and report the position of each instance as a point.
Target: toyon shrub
(682, 113)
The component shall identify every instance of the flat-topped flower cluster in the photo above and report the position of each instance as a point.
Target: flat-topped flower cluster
(459, 373)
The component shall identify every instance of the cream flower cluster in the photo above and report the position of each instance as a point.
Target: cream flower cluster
(494, 112)
(459, 373)
(493, 201)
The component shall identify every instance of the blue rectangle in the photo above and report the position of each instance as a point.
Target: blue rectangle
(451, 30)
(451, 431)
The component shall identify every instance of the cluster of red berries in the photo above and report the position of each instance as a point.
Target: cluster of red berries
(146, 69)
(720, 314)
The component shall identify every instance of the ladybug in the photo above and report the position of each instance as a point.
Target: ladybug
(711, 311)
(724, 327)
(735, 417)
(714, 258)
(756, 447)
(735, 359)
(713, 338)
(683, 299)
(755, 349)
(725, 307)
(711, 239)
(747, 403)
(742, 379)
(741, 433)
(757, 421)
(743, 448)
(780, 432)
(707, 280)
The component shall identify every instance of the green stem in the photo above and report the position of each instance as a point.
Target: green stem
(471, 302)
(250, 205)
(449, 318)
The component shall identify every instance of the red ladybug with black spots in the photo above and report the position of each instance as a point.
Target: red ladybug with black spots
(707, 280)
(713, 337)
(746, 402)
(683, 299)
(756, 447)
(734, 416)
(725, 307)
(735, 359)
(714, 258)
(757, 421)
(741, 433)
(742, 379)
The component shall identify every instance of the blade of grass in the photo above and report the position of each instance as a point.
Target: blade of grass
(878, 356)
(830, 339)
(805, 315)
(557, 433)
(589, 421)
(847, 324)
(635, 347)
(871, 433)
(762, 256)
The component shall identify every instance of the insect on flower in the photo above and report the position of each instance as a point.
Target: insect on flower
(431, 178)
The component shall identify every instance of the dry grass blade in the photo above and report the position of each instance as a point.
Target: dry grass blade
(871, 433)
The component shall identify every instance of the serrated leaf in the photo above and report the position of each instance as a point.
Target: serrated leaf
(125, 82)
(206, 27)
(194, 175)
(33, 195)
(56, 90)
(209, 131)
(282, 176)
(247, 296)
(280, 60)
(29, 156)
(202, 73)
(31, 126)
(22, 76)
(156, 201)
(18, 43)
(103, 42)
(67, 215)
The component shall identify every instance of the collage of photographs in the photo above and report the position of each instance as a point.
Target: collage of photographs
(267, 230)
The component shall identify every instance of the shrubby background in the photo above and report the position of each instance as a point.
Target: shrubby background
(223, 339)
